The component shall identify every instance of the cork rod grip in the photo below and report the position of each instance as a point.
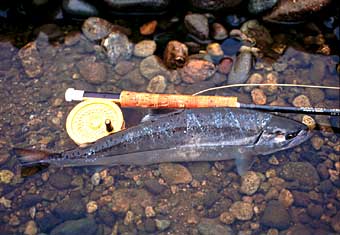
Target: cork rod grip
(147, 100)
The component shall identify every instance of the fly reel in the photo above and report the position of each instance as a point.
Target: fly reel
(93, 119)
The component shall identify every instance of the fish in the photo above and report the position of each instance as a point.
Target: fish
(188, 135)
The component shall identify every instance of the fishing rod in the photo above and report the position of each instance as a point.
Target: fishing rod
(131, 99)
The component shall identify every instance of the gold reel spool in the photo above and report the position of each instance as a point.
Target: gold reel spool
(93, 119)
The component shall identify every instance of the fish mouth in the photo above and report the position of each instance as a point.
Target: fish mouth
(301, 137)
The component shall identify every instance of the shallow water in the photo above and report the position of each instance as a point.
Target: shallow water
(133, 200)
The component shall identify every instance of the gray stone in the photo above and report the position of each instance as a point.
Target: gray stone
(152, 66)
(197, 25)
(144, 48)
(303, 173)
(215, 5)
(210, 227)
(157, 84)
(85, 226)
(162, 224)
(60, 180)
(275, 216)
(250, 182)
(118, 47)
(70, 208)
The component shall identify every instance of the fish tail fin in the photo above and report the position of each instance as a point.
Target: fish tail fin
(31, 157)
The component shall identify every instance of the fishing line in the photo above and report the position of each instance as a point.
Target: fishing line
(266, 84)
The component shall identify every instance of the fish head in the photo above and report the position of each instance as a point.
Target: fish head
(279, 134)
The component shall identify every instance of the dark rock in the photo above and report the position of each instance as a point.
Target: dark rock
(300, 229)
(123, 67)
(315, 210)
(79, 8)
(258, 6)
(231, 46)
(51, 31)
(240, 70)
(118, 47)
(86, 226)
(30, 200)
(295, 11)
(275, 216)
(197, 25)
(70, 208)
(302, 172)
(154, 187)
(326, 186)
(210, 198)
(152, 66)
(215, 5)
(138, 6)
(335, 222)
(225, 65)
(47, 222)
(150, 225)
(210, 227)
(197, 70)
(301, 198)
(199, 170)
(60, 180)
(107, 216)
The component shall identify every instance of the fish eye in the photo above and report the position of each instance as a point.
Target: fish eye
(291, 135)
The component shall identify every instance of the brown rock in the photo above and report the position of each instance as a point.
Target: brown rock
(242, 210)
(175, 173)
(148, 28)
(301, 101)
(335, 222)
(197, 70)
(157, 84)
(130, 199)
(293, 11)
(175, 54)
(218, 31)
(214, 5)
(258, 96)
(30, 60)
(227, 218)
(271, 78)
(250, 182)
(286, 198)
(144, 48)
(92, 72)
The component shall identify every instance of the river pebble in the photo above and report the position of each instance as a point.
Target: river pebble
(154, 187)
(82, 226)
(130, 199)
(197, 70)
(286, 198)
(31, 228)
(91, 207)
(215, 52)
(210, 227)
(303, 173)
(152, 66)
(219, 32)
(250, 183)
(225, 65)
(60, 180)
(70, 208)
(118, 47)
(241, 68)
(275, 216)
(162, 224)
(270, 78)
(335, 222)
(6, 176)
(242, 210)
(157, 84)
(31, 60)
(317, 142)
(148, 28)
(175, 173)
(227, 217)
(92, 72)
(258, 96)
(149, 212)
(175, 54)
(301, 101)
(197, 24)
(144, 48)
(95, 179)
(123, 67)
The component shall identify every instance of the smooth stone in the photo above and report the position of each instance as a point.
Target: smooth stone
(79, 8)
(299, 229)
(157, 84)
(31, 60)
(60, 180)
(70, 208)
(47, 222)
(106, 216)
(148, 28)
(130, 199)
(86, 226)
(197, 70)
(303, 173)
(30, 200)
(197, 24)
(286, 198)
(31, 228)
(144, 48)
(174, 173)
(154, 187)
(162, 224)
(92, 72)
(259, 6)
(301, 101)
(335, 222)
(231, 46)
(225, 65)
(118, 47)
(215, 51)
(210, 227)
(301, 198)
(123, 67)
(150, 225)
(295, 11)
(242, 210)
(241, 68)
(215, 5)
(137, 6)
(175, 54)
(250, 183)
(152, 66)
(219, 32)
(275, 216)
(6, 176)
(258, 96)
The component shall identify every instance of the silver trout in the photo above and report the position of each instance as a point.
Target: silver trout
(182, 136)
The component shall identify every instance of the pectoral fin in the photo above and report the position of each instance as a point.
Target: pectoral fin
(243, 163)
